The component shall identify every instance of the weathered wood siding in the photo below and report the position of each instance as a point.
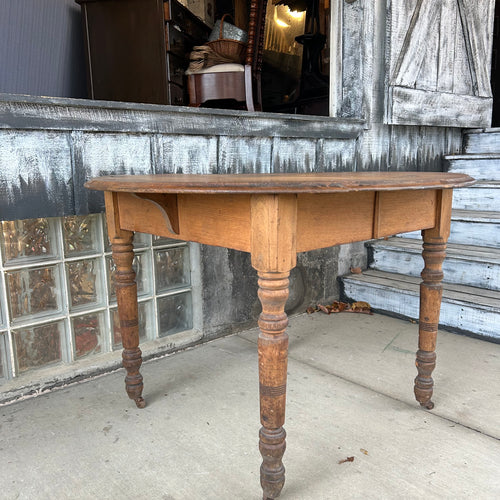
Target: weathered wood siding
(438, 62)
(50, 147)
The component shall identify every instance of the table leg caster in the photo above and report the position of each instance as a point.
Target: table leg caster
(140, 402)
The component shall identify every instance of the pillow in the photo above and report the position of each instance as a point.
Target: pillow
(219, 68)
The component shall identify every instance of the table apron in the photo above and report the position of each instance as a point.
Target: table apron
(323, 219)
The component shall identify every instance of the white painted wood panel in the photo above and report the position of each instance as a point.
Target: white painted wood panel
(439, 56)
(106, 154)
(471, 228)
(483, 167)
(464, 265)
(466, 310)
(244, 155)
(35, 174)
(409, 106)
(293, 155)
(485, 142)
(481, 196)
(185, 154)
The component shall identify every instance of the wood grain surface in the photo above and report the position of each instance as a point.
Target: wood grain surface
(279, 183)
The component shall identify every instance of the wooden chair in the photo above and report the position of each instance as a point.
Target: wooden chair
(235, 81)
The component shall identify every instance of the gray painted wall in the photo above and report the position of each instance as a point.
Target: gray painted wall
(41, 48)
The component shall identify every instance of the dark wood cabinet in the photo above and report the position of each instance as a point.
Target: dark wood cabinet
(138, 50)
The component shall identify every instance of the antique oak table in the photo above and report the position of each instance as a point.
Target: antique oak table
(275, 216)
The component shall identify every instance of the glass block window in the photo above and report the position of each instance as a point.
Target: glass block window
(38, 345)
(57, 296)
(3, 361)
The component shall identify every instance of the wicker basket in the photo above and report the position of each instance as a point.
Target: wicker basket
(227, 47)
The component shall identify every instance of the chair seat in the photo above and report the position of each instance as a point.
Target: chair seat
(219, 68)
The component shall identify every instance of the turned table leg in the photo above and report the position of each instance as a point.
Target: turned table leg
(126, 296)
(431, 291)
(274, 220)
(273, 350)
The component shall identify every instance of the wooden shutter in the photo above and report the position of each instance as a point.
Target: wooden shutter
(438, 62)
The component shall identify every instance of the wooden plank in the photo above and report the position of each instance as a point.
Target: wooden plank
(405, 147)
(205, 219)
(466, 311)
(373, 148)
(464, 265)
(472, 15)
(472, 228)
(481, 196)
(334, 155)
(486, 142)
(35, 174)
(483, 167)
(404, 211)
(349, 214)
(202, 218)
(185, 154)
(353, 41)
(423, 23)
(244, 155)
(462, 78)
(460, 293)
(50, 113)
(273, 232)
(293, 155)
(336, 59)
(400, 14)
(330, 182)
(447, 36)
(435, 140)
(419, 107)
(103, 154)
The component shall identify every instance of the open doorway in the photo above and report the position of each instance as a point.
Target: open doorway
(295, 74)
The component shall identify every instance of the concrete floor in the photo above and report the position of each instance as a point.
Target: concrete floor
(349, 395)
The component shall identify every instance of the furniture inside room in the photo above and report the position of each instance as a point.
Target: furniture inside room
(232, 81)
(138, 50)
(296, 54)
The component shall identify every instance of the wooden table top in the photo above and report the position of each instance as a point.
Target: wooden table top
(334, 182)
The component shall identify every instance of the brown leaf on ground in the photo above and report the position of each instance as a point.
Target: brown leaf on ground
(336, 307)
(356, 270)
(324, 309)
(339, 306)
(348, 459)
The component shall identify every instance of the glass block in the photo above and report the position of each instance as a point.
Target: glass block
(80, 235)
(2, 356)
(141, 240)
(28, 240)
(161, 240)
(83, 282)
(88, 331)
(33, 291)
(172, 268)
(142, 267)
(175, 314)
(2, 316)
(38, 346)
(145, 312)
